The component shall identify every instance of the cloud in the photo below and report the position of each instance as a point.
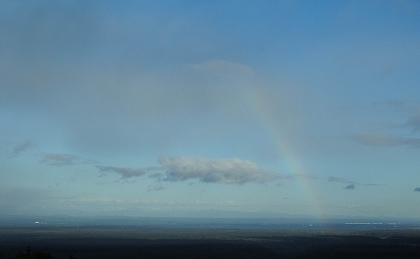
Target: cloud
(413, 123)
(158, 176)
(394, 136)
(340, 180)
(396, 105)
(371, 184)
(386, 140)
(125, 172)
(23, 147)
(225, 170)
(350, 187)
(412, 142)
(417, 189)
(376, 139)
(57, 159)
(156, 188)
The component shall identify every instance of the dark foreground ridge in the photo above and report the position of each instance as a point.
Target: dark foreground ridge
(84, 243)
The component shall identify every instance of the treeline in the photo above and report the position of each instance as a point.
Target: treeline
(33, 255)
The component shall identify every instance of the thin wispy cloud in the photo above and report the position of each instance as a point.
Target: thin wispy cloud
(224, 170)
(377, 139)
(371, 184)
(340, 180)
(155, 188)
(19, 148)
(351, 184)
(386, 140)
(413, 123)
(158, 176)
(390, 134)
(395, 105)
(125, 172)
(57, 159)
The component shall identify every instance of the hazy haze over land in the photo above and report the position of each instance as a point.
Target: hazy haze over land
(179, 108)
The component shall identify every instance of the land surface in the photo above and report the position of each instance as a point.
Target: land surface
(209, 241)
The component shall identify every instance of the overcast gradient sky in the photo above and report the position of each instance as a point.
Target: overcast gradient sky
(210, 108)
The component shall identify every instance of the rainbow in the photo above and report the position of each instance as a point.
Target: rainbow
(262, 107)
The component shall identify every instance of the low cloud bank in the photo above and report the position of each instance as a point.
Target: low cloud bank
(224, 170)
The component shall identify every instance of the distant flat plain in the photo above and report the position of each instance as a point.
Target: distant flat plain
(217, 239)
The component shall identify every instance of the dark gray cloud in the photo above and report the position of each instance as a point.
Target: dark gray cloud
(57, 159)
(350, 187)
(227, 170)
(125, 172)
(417, 189)
(23, 147)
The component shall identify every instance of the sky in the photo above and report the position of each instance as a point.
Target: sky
(210, 108)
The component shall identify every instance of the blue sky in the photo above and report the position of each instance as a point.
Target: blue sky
(197, 108)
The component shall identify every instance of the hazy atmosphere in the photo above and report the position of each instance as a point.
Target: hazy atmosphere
(210, 108)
